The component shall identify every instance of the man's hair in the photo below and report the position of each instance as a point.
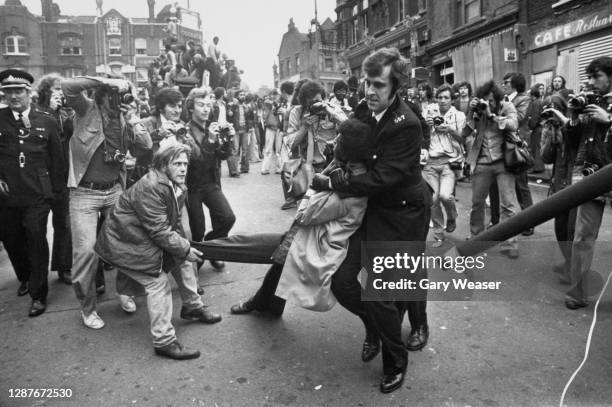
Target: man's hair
(295, 100)
(166, 96)
(445, 88)
(490, 87)
(427, 89)
(353, 83)
(339, 85)
(374, 64)
(535, 90)
(517, 81)
(219, 92)
(467, 85)
(563, 81)
(603, 64)
(44, 88)
(308, 91)
(353, 142)
(215, 39)
(288, 87)
(273, 92)
(164, 156)
(195, 93)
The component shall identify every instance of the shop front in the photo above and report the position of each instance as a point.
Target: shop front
(568, 48)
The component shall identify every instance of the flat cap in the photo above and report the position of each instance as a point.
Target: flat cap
(15, 78)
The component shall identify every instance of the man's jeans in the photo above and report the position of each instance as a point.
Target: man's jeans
(588, 222)
(243, 149)
(86, 206)
(159, 299)
(441, 179)
(482, 178)
(271, 152)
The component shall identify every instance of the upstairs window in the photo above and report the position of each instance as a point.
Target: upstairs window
(141, 46)
(70, 46)
(15, 45)
(114, 46)
(467, 11)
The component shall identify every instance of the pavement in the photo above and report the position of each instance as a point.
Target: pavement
(513, 352)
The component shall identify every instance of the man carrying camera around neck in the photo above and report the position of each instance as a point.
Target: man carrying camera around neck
(105, 129)
(590, 122)
(213, 144)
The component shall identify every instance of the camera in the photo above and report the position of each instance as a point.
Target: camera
(438, 120)
(117, 98)
(579, 102)
(318, 108)
(589, 168)
(549, 114)
(481, 106)
(114, 157)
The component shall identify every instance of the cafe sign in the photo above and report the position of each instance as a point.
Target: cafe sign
(572, 29)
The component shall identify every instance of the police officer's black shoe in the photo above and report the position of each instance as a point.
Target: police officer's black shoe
(217, 264)
(371, 348)
(38, 307)
(65, 277)
(417, 339)
(392, 382)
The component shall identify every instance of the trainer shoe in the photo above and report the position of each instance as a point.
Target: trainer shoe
(92, 320)
(127, 303)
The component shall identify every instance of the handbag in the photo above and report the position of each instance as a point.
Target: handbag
(295, 177)
(517, 157)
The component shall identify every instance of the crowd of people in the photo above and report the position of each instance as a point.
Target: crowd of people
(376, 160)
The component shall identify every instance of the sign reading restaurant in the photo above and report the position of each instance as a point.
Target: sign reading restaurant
(572, 29)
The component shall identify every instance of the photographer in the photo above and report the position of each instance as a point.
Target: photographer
(591, 128)
(560, 151)
(445, 157)
(312, 125)
(493, 118)
(213, 144)
(105, 129)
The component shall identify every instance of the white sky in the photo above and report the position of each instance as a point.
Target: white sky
(250, 31)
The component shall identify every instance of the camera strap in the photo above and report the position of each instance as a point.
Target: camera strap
(122, 127)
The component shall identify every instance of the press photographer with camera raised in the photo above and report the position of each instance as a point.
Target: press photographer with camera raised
(445, 156)
(105, 129)
(493, 118)
(590, 124)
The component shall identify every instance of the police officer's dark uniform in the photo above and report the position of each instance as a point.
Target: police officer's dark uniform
(31, 168)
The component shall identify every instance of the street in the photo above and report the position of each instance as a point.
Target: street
(516, 352)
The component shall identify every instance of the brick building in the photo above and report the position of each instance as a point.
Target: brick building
(314, 55)
(87, 45)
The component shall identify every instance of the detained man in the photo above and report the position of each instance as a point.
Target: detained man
(143, 238)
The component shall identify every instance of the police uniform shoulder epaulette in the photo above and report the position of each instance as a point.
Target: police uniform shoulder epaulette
(398, 118)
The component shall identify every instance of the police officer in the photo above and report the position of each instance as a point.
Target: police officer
(31, 172)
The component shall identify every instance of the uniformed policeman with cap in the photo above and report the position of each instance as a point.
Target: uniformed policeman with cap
(31, 168)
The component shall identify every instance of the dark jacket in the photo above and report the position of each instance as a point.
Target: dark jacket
(205, 162)
(41, 173)
(397, 196)
(143, 231)
(559, 150)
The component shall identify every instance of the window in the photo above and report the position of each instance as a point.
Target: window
(70, 46)
(364, 4)
(297, 61)
(355, 10)
(15, 45)
(364, 23)
(141, 46)
(114, 46)
(162, 46)
(72, 72)
(422, 6)
(113, 26)
(467, 11)
(355, 31)
(329, 63)
(401, 11)
(288, 66)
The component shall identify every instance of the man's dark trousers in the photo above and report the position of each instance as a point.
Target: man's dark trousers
(23, 231)
(61, 258)
(221, 214)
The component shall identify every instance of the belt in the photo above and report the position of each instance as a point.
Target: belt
(98, 186)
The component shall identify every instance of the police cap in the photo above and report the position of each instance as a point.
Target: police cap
(15, 78)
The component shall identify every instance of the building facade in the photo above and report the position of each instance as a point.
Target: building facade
(314, 55)
(87, 45)
(579, 32)
(478, 40)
